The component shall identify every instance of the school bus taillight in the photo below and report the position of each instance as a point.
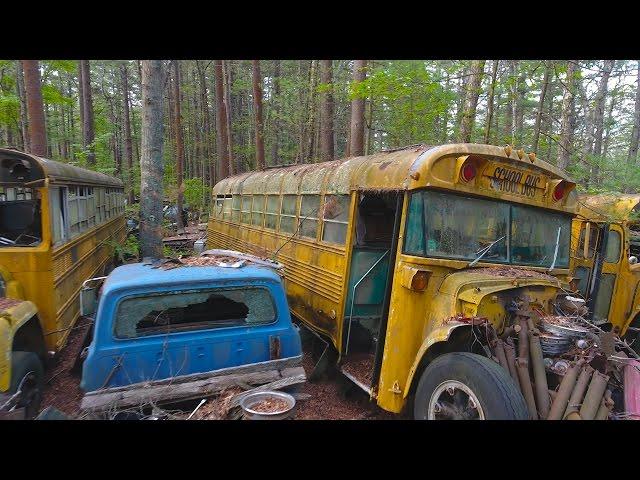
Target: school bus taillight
(468, 171)
(559, 192)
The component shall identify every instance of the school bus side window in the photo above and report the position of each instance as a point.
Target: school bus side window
(258, 210)
(309, 215)
(335, 217)
(235, 207)
(288, 213)
(246, 209)
(273, 206)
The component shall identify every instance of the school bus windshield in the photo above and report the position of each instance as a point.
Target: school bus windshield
(457, 227)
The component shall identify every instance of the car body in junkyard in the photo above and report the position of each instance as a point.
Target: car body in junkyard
(171, 321)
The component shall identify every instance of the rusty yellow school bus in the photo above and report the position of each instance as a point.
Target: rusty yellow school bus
(605, 250)
(388, 257)
(58, 223)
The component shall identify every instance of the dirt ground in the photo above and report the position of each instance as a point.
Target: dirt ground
(332, 398)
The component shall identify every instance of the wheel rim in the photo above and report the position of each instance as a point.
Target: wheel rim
(30, 393)
(453, 400)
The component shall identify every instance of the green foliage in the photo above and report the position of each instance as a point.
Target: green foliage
(195, 193)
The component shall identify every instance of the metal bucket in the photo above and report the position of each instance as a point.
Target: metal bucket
(250, 401)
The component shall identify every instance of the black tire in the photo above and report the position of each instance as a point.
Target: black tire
(497, 393)
(27, 369)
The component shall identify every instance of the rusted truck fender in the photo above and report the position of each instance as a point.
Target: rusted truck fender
(439, 334)
(13, 315)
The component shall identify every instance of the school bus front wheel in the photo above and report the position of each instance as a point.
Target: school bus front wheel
(467, 386)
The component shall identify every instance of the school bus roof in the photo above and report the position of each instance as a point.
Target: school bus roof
(610, 206)
(34, 168)
(405, 168)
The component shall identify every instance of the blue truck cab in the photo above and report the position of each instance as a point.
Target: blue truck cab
(154, 323)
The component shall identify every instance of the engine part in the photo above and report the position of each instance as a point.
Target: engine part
(539, 374)
(564, 326)
(573, 414)
(606, 405)
(554, 345)
(582, 344)
(510, 331)
(522, 365)
(578, 391)
(631, 379)
(560, 367)
(594, 394)
(502, 358)
(523, 340)
(510, 353)
(564, 391)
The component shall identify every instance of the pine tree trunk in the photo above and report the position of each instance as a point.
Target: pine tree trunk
(35, 108)
(598, 119)
(227, 83)
(275, 147)
(206, 119)
(222, 146)
(177, 128)
(326, 111)
(566, 123)
(88, 122)
(471, 100)
(128, 145)
(635, 133)
(509, 117)
(24, 126)
(543, 93)
(357, 111)
(257, 107)
(492, 93)
(151, 165)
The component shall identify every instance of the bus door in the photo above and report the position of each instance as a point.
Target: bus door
(377, 223)
(605, 273)
(585, 256)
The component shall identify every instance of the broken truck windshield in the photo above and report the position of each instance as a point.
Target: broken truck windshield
(193, 310)
(452, 226)
(20, 217)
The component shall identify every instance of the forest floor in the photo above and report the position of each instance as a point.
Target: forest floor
(332, 397)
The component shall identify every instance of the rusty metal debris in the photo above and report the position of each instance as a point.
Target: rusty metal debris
(566, 368)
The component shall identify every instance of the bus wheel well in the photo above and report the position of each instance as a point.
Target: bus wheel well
(29, 338)
(460, 340)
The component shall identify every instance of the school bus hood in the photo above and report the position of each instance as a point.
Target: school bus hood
(474, 284)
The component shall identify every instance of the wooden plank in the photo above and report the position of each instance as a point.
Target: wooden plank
(279, 364)
(180, 391)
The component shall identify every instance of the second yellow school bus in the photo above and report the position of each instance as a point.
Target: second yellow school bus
(388, 256)
(605, 250)
(58, 227)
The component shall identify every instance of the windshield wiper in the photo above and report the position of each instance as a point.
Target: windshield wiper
(555, 253)
(484, 251)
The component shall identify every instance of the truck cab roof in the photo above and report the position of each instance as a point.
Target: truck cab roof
(137, 275)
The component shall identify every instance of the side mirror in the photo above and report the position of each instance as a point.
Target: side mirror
(89, 295)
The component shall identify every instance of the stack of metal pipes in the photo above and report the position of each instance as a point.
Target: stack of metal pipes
(582, 393)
